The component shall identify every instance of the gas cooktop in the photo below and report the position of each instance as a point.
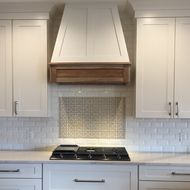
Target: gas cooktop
(74, 152)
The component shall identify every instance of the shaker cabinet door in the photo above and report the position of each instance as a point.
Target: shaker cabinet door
(30, 67)
(20, 184)
(5, 68)
(182, 68)
(150, 185)
(155, 66)
(89, 177)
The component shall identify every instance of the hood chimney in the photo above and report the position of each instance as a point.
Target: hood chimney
(90, 46)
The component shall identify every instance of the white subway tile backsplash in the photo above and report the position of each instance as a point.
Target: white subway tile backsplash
(180, 148)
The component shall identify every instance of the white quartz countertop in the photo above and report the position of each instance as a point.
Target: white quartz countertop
(136, 158)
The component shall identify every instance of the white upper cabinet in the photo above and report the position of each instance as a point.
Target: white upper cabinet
(90, 33)
(5, 68)
(163, 59)
(182, 68)
(30, 67)
(23, 68)
(155, 65)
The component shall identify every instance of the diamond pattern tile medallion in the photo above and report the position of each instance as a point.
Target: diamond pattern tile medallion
(92, 117)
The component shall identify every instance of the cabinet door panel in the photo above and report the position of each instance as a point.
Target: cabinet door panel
(30, 67)
(5, 68)
(20, 171)
(182, 67)
(89, 177)
(155, 67)
(90, 33)
(164, 173)
(75, 43)
(20, 184)
(150, 185)
(106, 36)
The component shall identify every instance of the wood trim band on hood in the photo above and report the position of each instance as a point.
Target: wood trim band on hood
(90, 74)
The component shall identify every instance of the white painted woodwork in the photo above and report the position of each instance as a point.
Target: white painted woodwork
(161, 177)
(20, 184)
(20, 176)
(30, 67)
(161, 8)
(162, 67)
(25, 10)
(61, 176)
(164, 173)
(155, 66)
(182, 67)
(90, 33)
(24, 15)
(160, 5)
(5, 68)
(20, 171)
(73, 33)
(164, 13)
(155, 185)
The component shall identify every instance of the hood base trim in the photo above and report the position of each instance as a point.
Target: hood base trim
(90, 74)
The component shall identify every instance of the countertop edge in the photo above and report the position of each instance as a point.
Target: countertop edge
(137, 158)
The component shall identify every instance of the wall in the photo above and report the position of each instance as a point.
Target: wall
(141, 134)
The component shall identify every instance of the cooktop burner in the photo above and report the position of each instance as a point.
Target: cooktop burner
(74, 152)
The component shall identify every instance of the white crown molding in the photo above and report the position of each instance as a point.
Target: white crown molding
(26, 7)
(30, 10)
(161, 8)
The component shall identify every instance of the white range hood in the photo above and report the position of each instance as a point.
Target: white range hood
(90, 35)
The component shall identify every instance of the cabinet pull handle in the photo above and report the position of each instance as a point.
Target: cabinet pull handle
(10, 171)
(170, 109)
(16, 107)
(89, 181)
(177, 109)
(175, 173)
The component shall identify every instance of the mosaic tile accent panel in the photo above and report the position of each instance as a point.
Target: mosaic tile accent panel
(92, 117)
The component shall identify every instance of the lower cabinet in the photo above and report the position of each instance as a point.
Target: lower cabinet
(92, 176)
(89, 177)
(155, 185)
(20, 176)
(20, 184)
(164, 178)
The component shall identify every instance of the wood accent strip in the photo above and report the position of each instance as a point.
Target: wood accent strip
(126, 74)
(89, 80)
(90, 74)
(53, 74)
